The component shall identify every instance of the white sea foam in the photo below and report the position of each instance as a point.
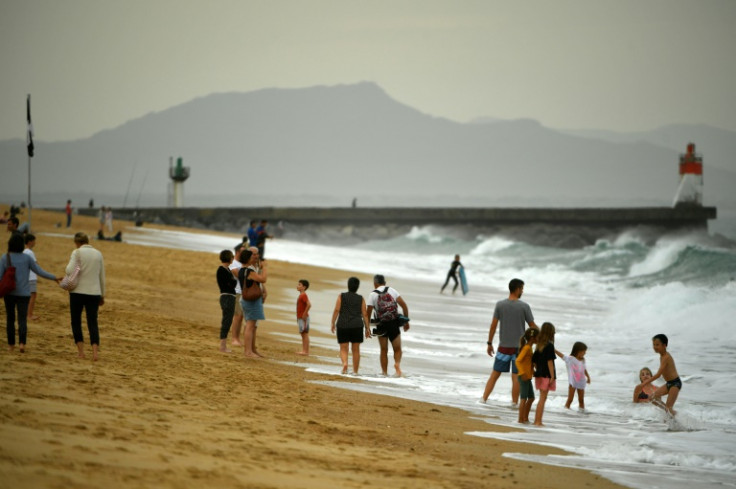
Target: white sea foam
(588, 294)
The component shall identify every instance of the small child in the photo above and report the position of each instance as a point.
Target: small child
(302, 315)
(646, 393)
(666, 370)
(545, 375)
(577, 374)
(526, 373)
(30, 241)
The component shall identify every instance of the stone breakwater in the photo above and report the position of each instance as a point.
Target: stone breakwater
(564, 227)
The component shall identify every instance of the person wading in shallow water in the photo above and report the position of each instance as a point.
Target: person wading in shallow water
(384, 301)
(512, 313)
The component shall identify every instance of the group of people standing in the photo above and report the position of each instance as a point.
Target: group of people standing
(239, 272)
(242, 277)
(511, 316)
(86, 266)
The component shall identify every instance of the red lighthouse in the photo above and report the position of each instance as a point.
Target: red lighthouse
(690, 191)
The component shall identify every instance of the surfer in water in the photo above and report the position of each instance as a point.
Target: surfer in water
(452, 274)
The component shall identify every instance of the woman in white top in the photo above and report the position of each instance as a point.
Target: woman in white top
(89, 294)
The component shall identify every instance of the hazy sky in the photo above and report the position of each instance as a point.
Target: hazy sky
(577, 64)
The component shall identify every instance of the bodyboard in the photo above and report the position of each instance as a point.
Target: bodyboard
(463, 281)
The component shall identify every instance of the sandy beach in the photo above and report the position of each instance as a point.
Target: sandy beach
(163, 408)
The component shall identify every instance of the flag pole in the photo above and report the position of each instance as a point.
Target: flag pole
(29, 141)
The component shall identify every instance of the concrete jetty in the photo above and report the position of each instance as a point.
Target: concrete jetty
(561, 227)
(216, 217)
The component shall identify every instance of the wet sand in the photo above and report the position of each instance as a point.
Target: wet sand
(163, 408)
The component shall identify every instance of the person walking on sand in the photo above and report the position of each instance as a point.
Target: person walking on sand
(452, 274)
(668, 371)
(545, 374)
(237, 324)
(513, 314)
(349, 318)
(525, 367)
(17, 300)
(577, 374)
(251, 282)
(302, 315)
(226, 282)
(88, 295)
(68, 210)
(384, 301)
(30, 241)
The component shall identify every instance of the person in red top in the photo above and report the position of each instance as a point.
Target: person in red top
(68, 213)
(302, 315)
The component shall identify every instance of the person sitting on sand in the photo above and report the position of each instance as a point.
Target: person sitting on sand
(668, 371)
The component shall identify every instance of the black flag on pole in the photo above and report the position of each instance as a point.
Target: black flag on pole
(30, 128)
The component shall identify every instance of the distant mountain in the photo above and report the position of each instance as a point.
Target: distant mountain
(330, 144)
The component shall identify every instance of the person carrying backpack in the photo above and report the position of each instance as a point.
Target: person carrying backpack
(385, 301)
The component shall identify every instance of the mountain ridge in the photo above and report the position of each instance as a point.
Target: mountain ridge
(355, 140)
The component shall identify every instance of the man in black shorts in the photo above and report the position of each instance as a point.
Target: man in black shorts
(384, 300)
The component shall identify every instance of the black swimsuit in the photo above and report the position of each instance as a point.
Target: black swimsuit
(674, 383)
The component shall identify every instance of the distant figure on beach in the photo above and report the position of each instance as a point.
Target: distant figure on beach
(355, 203)
(226, 282)
(384, 301)
(545, 374)
(30, 242)
(302, 315)
(512, 313)
(251, 236)
(525, 367)
(118, 236)
(88, 295)
(349, 318)
(238, 312)
(252, 299)
(644, 392)
(91, 203)
(68, 210)
(17, 300)
(668, 371)
(577, 373)
(108, 219)
(452, 274)
(101, 218)
(4, 218)
(14, 226)
(261, 237)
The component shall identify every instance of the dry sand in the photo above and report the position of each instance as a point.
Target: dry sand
(163, 408)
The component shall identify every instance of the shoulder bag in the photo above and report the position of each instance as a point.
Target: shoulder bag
(7, 282)
(71, 280)
(253, 291)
